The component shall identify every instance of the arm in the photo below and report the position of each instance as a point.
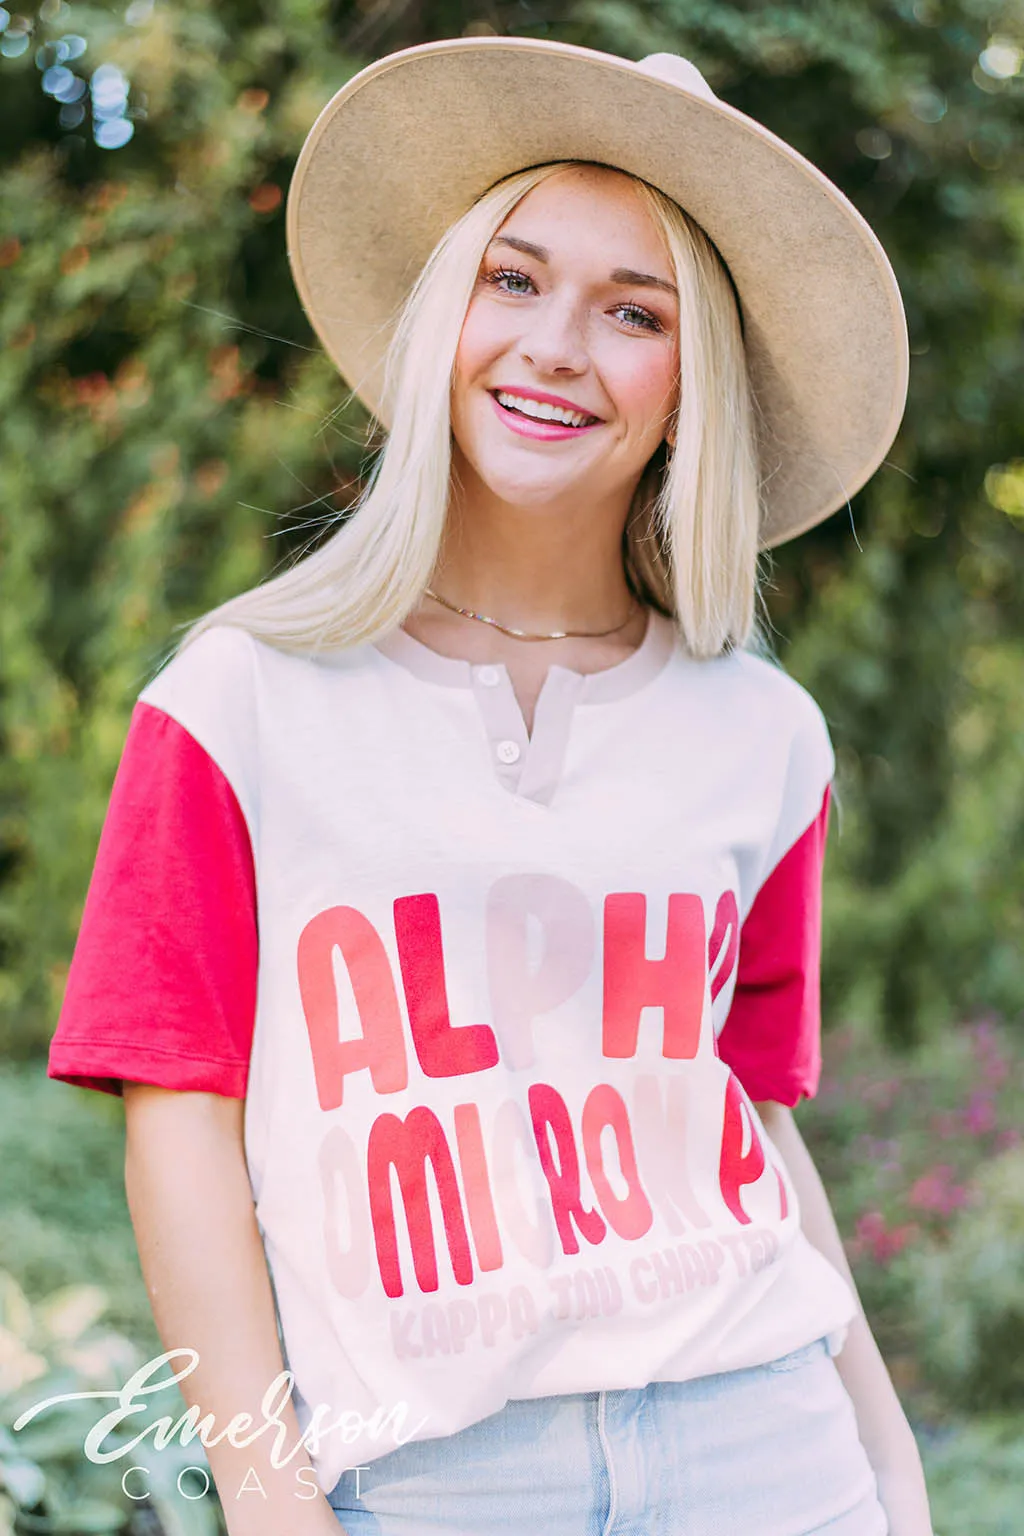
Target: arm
(205, 1270)
(884, 1430)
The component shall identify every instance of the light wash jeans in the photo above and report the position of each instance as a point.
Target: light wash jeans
(771, 1450)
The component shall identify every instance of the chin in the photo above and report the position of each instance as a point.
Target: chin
(522, 473)
(530, 490)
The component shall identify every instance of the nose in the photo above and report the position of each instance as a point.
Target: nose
(555, 341)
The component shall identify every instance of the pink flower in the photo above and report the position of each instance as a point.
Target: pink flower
(935, 1191)
(896, 1239)
(869, 1225)
(883, 1242)
(980, 1114)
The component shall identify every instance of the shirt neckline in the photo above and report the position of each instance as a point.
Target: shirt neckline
(616, 682)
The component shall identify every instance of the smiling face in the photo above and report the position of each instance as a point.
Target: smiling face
(573, 318)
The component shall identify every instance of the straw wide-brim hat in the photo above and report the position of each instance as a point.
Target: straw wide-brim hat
(409, 143)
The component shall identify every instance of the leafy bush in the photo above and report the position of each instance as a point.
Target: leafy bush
(51, 1349)
(975, 1475)
(968, 1294)
(923, 1158)
(63, 1211)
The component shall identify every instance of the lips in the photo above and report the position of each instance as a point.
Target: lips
(537, 428)
(512, 400)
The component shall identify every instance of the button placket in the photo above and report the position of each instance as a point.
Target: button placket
(528, 766)
(531, 768)
(552, 722)
(507, 740)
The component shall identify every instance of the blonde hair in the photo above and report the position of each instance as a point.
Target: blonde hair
(690, 542)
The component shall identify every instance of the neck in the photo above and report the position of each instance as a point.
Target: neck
(541, 567)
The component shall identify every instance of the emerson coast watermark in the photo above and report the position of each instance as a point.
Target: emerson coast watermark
(243, 1430)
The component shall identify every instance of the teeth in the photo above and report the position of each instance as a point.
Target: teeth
(542, 411)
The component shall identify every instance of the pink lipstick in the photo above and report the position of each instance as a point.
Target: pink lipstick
(542, 431)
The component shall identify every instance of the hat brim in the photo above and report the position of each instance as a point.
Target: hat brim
(407, 145)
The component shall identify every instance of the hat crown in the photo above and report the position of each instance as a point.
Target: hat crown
(677, 71)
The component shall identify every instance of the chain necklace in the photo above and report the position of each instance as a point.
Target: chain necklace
(520, 634)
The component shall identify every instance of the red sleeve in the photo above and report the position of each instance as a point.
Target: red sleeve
(162, 984)
(772, 1036)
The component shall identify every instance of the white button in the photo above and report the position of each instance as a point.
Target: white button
(487, 675)
(508, 751)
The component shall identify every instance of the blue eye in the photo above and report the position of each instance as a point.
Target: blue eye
(647, 321)
(507, 272)
(643, 321)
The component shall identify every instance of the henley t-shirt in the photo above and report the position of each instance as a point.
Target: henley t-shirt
(500, 1006)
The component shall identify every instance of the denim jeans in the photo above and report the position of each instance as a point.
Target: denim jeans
(770, 1450)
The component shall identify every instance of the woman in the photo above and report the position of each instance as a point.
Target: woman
(482, 841)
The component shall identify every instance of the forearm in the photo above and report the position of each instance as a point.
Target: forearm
(205, 1270)
(882, 1424)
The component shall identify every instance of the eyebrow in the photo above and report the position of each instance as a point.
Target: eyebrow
(618, 275)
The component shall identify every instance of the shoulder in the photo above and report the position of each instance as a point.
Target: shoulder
(763, 678)
(785, 702)
(775, 735)
(752, 703)
(235, 692)
(225, 665)
(207, 687)
(217, 658)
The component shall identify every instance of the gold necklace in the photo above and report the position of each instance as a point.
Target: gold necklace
(520, 634)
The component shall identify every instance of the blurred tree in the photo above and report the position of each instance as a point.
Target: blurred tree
(171, 431)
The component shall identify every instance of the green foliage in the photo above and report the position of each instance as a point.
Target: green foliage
(975, 1474)
(63, 1212)
(75, 1317)
(143, 432)
(52, 1350)
(923, 1159)
(942, 936)
(968, 1300)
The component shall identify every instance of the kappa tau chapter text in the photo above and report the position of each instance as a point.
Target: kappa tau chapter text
(648, 1168)
(439, 1328)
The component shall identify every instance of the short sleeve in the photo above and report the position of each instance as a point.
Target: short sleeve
(771, 1037)
(162, 983)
